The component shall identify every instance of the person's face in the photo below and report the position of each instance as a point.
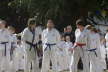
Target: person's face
(50, 24)
(69, 29)
(11, 31)
(2, 25)
(62, 38)
(80, 27)
(32, 26)
(67, 38)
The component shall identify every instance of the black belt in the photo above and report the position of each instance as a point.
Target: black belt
(93, 50)
(12, 48)
(4, 43)
(35, 46)
(49, 45)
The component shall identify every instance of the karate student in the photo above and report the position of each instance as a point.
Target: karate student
(4, 47)
(11, 29)
(68, 45)
(94, 51)
(81, 44)
(50, 38)
(30, 38)
(19, 55)
(63, 59)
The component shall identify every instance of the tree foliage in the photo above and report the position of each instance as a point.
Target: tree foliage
(62, 11)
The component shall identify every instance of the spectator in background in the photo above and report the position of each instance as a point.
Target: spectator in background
(68, 32)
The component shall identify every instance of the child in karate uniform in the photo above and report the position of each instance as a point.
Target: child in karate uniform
(69, 45)
(20, 56)
(63, 63)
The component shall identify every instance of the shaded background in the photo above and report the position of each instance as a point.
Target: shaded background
(64, 12)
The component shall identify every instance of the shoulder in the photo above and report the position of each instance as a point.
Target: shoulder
(14, 35)
(44, 31)
(76, 30)
(6, 31)
(25, 30)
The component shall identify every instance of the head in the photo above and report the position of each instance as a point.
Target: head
(69, 28)
(50, 24)
(68, 38)
(62, 38)
(11, 29)
(80, 24)
(2, 24)
(32, 23)
(93, 30)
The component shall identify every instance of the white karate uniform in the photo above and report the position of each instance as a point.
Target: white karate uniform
(12, 57)
(106, 38)
(31, 56)
(19, 56)
(103, 56)
(80, 52)
(107, 53)
(95, 55)
(5, 59)
(39, 29)
(68, 53)
(51, 37)
(63, 59)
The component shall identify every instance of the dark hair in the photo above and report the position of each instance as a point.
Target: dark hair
(94, 29)
(80, 22)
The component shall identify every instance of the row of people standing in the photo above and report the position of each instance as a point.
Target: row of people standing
(59, 53)
(87, 47)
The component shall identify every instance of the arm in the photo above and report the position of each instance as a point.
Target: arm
(24, 35)
(57, 36)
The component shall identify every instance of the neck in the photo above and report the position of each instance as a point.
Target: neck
(31, 28)
(49, 29)
(81, 29)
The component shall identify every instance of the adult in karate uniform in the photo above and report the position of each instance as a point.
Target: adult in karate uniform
(94, 51)
(30, 38)
(4, 47)
(50, 38)
(79, 48)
